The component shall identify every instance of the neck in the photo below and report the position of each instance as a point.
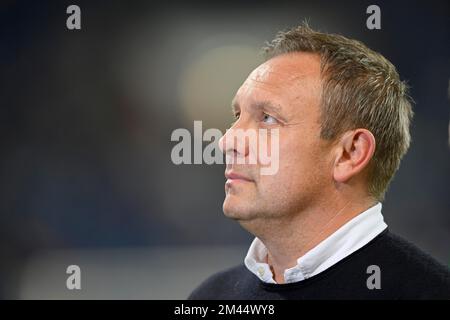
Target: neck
(290, 238)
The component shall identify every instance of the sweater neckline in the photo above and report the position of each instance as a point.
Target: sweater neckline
(323, 274)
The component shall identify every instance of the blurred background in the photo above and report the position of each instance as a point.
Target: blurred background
(86, 117)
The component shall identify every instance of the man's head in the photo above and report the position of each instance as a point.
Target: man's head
(343, 118)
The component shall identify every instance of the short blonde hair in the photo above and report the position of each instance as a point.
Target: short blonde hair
(361, 89)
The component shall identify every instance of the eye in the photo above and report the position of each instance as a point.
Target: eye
(269, 119)
(236, 118)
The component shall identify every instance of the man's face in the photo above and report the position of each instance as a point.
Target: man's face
(284, 94)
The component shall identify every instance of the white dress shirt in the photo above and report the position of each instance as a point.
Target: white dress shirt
(353, 235)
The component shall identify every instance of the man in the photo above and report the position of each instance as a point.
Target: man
(342, 116)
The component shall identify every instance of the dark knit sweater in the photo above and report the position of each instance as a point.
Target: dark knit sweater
(406, 273)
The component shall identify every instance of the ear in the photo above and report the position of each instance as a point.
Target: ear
(354, 151)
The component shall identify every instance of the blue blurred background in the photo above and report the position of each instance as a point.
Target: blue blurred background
(86, 119)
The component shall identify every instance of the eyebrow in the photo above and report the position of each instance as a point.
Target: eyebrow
(260, 105)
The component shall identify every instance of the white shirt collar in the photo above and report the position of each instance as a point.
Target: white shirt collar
(353, 235)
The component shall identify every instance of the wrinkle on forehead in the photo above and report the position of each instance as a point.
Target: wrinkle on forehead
(288, 67)
(263, 76)
(273, 80)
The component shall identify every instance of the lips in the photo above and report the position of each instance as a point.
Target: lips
(230, 175)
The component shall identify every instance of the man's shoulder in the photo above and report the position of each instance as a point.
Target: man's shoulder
(404, 264)
(222, 284)
(401, 250)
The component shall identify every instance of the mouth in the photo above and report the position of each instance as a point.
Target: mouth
(233, 177)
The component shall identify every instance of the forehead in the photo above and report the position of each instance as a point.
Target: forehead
(285, 79)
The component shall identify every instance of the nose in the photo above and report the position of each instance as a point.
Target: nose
(234, 144)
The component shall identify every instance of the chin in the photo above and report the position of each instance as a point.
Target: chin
(234, 209)
(239, 210)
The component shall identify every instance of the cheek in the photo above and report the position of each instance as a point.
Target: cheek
(302, 162)
(295, 153)
(291, 171)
